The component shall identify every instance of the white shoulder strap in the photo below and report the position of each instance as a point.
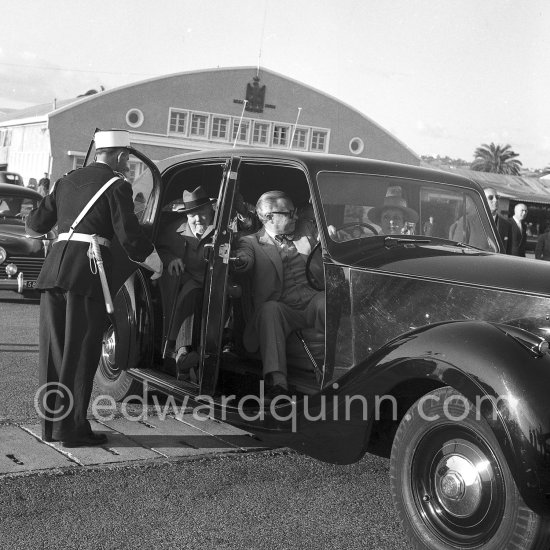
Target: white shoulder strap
(90, 204)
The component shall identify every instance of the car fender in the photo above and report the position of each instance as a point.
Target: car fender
(133, 322)
(489, 366)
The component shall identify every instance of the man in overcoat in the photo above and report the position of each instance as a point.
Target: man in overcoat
(180, 248)
(72, 306)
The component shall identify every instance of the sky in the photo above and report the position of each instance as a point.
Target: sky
(443, 76)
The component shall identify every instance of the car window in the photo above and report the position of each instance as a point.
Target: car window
(16, 207)
(359, 206)
(11, 177)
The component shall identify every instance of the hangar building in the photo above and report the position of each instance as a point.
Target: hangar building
(195, 110)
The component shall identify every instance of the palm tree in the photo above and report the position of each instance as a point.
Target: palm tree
(496, 159)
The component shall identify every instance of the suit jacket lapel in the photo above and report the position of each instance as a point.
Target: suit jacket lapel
(269, 248)
(192, 241)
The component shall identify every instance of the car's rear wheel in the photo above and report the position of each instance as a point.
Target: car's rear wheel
(111, 378)
(451, 484)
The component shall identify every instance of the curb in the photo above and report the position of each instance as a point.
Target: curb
(186, 436)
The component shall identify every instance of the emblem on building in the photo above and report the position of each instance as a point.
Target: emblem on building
(255, 96)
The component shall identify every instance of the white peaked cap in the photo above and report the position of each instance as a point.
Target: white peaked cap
(112, 138)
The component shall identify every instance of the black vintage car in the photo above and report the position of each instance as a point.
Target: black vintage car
(21, 257)
(435, 349)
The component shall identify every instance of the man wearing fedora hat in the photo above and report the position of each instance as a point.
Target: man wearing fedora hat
(92, 201)
(180, 248)
(394, 213)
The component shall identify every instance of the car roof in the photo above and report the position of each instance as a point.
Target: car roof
(17, 190)
(11, 175)
(316, 162)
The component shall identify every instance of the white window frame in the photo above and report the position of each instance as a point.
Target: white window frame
(267, 129)
(313, 133)
(246, 123)
(276, 139)
(206, 124)
(295, 131)
(228, 127)
(185, 125)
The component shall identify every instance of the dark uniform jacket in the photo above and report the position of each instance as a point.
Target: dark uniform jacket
(67, 266)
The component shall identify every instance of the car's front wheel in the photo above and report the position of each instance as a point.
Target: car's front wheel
(451, 484)
(111, 378)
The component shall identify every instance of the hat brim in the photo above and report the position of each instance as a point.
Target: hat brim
(180, 209)
(375, 214)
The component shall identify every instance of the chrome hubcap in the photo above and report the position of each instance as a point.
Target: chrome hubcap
(458, 485)
(108, 350)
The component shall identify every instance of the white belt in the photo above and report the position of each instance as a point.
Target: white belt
(83, 238)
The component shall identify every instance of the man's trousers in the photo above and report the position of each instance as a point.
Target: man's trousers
(71, 331)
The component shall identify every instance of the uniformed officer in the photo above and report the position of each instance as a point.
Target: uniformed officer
(72, 305)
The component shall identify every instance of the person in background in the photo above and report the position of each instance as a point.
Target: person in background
(282, 300)
(542, 249)
(504, 226)
(44, 185)
(72, 304)
(428, 228)
(518, 240)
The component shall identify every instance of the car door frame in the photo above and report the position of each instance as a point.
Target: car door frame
(215, 285)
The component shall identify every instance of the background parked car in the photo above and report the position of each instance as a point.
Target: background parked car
(21, 257)
(11, 177)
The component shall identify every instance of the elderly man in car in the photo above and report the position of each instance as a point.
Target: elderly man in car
(179, 246)
(283, 301)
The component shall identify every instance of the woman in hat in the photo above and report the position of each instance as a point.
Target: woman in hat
(393, 214)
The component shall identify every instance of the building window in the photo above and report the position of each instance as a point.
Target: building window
(178, 121)
(134, 118)
(356, 146)
(243, 131)
(220, 127)
(299, 140)
(198, 125)
(318, 140)
(260, 135)
(280, 135)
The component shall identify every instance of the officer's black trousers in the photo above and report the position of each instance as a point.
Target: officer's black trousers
(71, 330)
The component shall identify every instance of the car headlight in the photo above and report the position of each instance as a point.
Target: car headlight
(3, 254)
(11, 269)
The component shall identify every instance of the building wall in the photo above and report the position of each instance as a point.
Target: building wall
(213, 92)
(29, 151)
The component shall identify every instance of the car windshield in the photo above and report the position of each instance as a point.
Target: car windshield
(358, 206)
(14, 207)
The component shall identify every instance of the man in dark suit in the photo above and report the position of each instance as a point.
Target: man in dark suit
(283, 301)
(179, 246)
(72, 304)
(519, 231)
(504, 227)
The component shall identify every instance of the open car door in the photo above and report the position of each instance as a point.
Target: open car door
(215, 288)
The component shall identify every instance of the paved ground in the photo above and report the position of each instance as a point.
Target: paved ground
(22, 450)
